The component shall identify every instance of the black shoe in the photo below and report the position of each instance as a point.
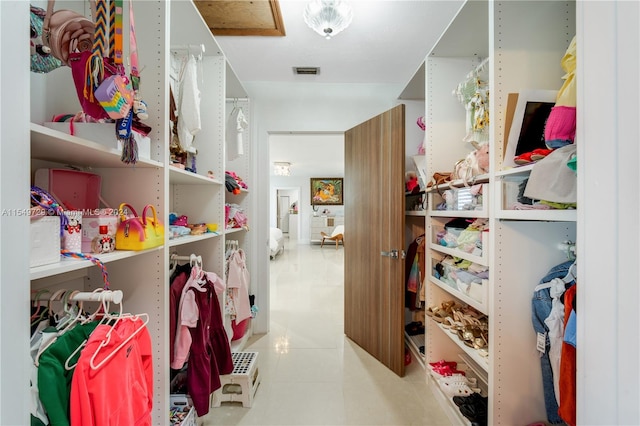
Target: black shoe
(474, 398)
(475, 412)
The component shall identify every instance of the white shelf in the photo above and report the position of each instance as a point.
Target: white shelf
(53, 145)
(70, 264)
(516, 170)
(183, 177)
(419, 213)
(539, 215)
(479, 372)
(482, 362)
(481, 260)
(450, 409)
(414, 343)
(187, 239)
(460, 213)
(233, 230)
(481, 307)
(458, 183)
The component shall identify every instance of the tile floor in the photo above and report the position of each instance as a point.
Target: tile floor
(311, 373)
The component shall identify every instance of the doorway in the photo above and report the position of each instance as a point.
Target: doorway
(287, 201)
(283, 212)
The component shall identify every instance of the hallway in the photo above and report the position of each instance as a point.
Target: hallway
(311, 373)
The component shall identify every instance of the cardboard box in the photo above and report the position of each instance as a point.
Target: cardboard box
(44, 237)
(91, 226)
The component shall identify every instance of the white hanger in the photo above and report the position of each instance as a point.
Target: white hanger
(571, 274)
(107, 338)
(104, 305)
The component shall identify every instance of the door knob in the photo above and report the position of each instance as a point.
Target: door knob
(392, 254)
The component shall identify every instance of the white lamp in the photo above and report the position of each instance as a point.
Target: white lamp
(328, 17)
(282, 169)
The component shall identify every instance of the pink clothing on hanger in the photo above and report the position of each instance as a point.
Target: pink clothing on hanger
(129, 373)
(238, 282)
(188, 313)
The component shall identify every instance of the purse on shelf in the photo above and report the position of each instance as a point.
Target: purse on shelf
(139, 233)
(65, 31)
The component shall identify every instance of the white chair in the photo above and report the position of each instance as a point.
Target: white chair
(337, 235)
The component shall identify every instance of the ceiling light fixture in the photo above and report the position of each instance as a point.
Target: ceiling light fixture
(328, 17)
(282, 169)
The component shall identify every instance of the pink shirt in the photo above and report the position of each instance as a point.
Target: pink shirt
(120, 392)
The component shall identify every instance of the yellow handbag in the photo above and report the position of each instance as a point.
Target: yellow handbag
(139, 233)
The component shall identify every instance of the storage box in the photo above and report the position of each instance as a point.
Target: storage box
(144, 145)
(91, 226)
(44, 237)
(104, 134)
(73, 189)
(182, 412)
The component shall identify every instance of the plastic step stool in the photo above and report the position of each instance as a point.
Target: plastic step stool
(242, 383)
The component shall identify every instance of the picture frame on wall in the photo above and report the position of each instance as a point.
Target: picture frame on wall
(327, 191)
(527, 125)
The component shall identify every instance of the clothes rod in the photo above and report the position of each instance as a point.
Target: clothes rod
(114, 296)
(191, 258)
(199, 48)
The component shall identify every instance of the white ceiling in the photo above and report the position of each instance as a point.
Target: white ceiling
(386, 43)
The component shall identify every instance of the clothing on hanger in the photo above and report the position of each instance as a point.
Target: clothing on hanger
(236, 125)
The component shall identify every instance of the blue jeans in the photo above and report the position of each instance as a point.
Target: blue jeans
(541, 308)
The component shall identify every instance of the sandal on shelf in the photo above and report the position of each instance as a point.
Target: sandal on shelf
(452, 325)
(445, 310)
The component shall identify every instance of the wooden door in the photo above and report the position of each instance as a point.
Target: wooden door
(374, 223)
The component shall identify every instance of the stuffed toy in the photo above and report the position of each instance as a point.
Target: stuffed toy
(482, 156)
(411, 184)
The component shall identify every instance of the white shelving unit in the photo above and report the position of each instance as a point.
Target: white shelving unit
(521, 246)
(142, 276)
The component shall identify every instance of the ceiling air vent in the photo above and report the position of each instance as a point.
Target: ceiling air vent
(306, 70)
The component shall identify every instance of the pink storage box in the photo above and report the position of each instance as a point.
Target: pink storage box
(73, 189)
(91, 226)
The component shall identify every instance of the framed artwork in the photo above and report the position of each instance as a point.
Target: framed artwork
(327, 192)
(527, 127)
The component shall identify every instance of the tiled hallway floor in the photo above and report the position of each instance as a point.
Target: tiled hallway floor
(311, 373)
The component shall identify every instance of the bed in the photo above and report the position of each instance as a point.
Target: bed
(276, 242)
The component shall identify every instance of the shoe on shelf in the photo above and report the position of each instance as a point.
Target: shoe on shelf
(540, 153)
(456, 386)
(474, 398)
(523, 159)
(445, 371)
(442, 362)
(414, 328)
